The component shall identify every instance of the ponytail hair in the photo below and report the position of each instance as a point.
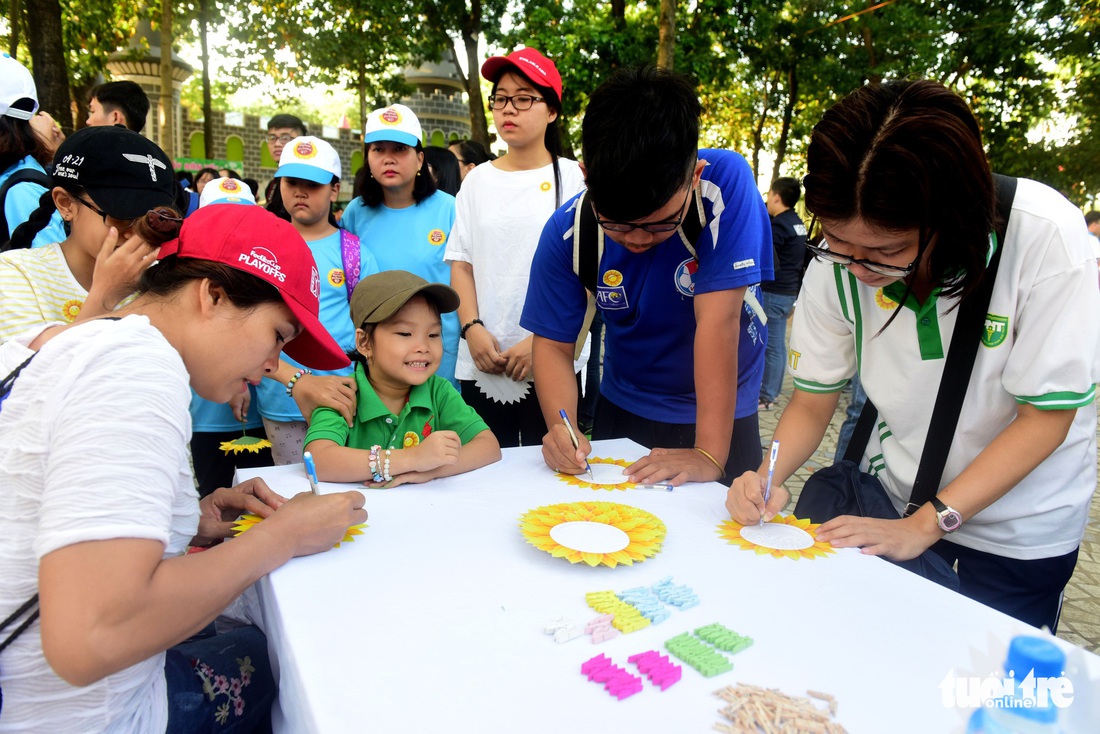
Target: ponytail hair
(23, 235)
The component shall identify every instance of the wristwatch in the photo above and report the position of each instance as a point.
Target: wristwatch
(948, 518)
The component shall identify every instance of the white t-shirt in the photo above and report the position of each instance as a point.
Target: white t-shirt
(1041, 347)
(93, 446)
(498, 221)
(36, 286)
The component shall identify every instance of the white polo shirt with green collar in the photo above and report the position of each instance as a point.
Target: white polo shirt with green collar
(1041, 347)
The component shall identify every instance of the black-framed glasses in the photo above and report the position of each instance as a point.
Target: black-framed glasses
(652, 227)
(519, 101)
(823, 253)
(284, 138)
(162, 219)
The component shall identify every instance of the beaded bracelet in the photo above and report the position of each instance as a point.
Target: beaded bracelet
(293, 380)
(465, 328)
(713, 460)
(374, 464)
(386, 467)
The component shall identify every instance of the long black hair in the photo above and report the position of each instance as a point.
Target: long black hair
(551, 139)
(370, 191)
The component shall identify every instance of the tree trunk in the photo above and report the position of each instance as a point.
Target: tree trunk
(50, 75)
(362, 85)
(666, 44)
(80, 94)
(788, 112)
(758, 129)
(15, 8)
(207, 107)
(168, 122)
(479, 126)
(872, 61)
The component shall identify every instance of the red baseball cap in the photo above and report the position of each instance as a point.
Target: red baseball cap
(528, 62)
(255, 241)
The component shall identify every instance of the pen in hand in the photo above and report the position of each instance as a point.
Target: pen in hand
(771, 472)
(311, 472)
(576, 442)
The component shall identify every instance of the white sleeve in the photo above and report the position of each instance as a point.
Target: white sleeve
(822, 356)
(459, 243)
(115, 429)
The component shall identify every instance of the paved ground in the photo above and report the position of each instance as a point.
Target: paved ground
(1080, 623)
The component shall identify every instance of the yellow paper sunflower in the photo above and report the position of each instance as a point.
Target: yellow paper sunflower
(245, 443)
(582, 480)
(246, 522)
(411, 439)
(624, 534)
(797, 540)
(71, 309)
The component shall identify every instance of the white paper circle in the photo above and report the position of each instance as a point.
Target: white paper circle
(778, 537)
(606, 474)
(589, 537)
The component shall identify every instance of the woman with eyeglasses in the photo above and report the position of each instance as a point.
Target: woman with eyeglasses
(116, 192)
(502, 207)
(906, 203)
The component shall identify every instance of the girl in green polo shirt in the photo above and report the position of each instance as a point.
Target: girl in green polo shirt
(410, 424)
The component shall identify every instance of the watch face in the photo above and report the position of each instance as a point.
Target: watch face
(950, 521)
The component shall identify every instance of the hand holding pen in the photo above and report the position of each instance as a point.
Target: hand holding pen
(576, 441)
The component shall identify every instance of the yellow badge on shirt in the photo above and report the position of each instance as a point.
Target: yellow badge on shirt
(336, 277)
(437, 237)
(71, 309)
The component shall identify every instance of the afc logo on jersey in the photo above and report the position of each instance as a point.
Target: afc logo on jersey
(611, 295)
(685, 277)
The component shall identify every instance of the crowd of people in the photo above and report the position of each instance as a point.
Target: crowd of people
(450, 308)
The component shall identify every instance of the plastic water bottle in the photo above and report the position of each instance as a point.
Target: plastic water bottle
(1033, 687)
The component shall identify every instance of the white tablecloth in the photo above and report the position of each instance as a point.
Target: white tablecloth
(433, 619)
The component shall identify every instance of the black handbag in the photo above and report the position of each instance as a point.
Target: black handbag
(842, 489)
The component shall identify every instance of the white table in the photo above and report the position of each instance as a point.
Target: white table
(432, 620)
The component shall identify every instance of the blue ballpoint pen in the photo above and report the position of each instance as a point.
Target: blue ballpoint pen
(311, 472)
(771, 471)
(576, 443)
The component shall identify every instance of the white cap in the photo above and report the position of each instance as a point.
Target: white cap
(226, 191)
(396, 123)
(310, 158)
(16, 83)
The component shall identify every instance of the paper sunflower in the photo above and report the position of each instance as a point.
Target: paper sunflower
(594, 532)
(781, 537)
(245, 522)
(603, 478)
(245, 443)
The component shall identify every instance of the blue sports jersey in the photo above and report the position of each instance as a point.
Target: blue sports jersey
(335, 314)
(647, 298)
(21, 201)
(412, 239)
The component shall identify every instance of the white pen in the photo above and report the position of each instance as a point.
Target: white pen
(771, 471)
(658, 487)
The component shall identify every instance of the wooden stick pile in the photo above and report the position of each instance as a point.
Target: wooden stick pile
(755, 710)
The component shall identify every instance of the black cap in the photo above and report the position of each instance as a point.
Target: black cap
(124, 173)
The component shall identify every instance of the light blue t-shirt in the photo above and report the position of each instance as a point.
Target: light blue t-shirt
(412, 239)
(21, 201)
(335, 315)
(210, 417)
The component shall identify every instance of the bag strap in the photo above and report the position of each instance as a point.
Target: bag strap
(588, 244)
(32, 602)
(8, 382)
(349, 256)
(957, 370)
(23, 175)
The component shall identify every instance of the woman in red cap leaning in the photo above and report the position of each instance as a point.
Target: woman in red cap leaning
(491, 244)
(99, 503)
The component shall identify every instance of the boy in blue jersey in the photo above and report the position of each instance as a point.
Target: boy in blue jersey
(681, 322)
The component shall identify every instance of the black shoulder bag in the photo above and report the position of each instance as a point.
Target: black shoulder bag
(842, 489)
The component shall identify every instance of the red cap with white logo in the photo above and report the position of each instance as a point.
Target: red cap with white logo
(526, 61)
(255, 241)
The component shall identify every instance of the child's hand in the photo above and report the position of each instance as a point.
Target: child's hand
(439, 449)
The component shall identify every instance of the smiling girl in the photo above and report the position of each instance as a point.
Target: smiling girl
(493, 245)
(398, 212)
(411, 425)
(309, 182)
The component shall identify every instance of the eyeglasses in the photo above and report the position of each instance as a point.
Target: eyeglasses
(520, 101)
(284, 138)
(652, 227)
(824, 254)
(161, 219)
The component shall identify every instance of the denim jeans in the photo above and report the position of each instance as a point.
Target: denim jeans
(778, 309)
(220, 683)
(851, 417)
